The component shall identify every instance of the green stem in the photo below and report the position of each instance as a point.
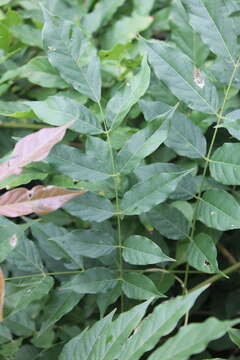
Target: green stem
(116, 178)
(207, 160)
(217, 277)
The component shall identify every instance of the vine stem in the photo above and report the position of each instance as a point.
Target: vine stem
(116, 179)
(207, 160)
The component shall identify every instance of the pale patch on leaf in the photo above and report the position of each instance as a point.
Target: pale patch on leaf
(13, 241)
(198, 78)
(30, 148)
(40, 200)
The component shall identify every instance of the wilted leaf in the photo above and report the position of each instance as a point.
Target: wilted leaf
(39, 200)
(30, 148)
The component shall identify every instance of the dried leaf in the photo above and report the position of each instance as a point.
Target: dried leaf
(1, 294)
(30, 148)
(39, 200)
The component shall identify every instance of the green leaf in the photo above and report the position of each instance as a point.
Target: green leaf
(178, 72)
(10, 235)
(167, 314)
(146, 194)
(111, 339)
(27, 34)
(154, 109)
(71, 54)
(142, 144)
(60, 303)
(5, 334)
(169, 221)
(139, 250)
(191, 339)
(20, 295)
(219, 210)
(39, 71)
(185, 138)
(102, 13)
(90, 207)
(206, 18)
(92, 281)
(185, 37)
(25, 257)
(84, 345)
(202, 254)
(120, 104)
(125, 30)
(27, 175)
(72, 162)
(16, 109)
(58, 110)
(138, 286)
(87, 243)
(225, 164)
(234, 335)
(232, 123)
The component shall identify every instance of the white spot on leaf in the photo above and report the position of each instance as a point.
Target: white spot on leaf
(13, 241)
(52, 48)
(198, 78)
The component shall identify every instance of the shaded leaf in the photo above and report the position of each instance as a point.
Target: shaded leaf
(21, 294)
(139, 250)
(202, 254)
(92, 281)
(85, 343)
(138, 286)
(16, 109)
(90, 207)
(234, 335)
(169, 221)
(60, 303)
(39, 200)
(87, 243)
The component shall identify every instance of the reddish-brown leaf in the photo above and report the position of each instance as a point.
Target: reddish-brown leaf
(30, 148)
(40, 200)
(1, 294)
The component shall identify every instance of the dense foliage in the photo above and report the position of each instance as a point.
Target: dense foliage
(119, 175)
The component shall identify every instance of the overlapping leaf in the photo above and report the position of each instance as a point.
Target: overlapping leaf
(39, 200)
(33, 147)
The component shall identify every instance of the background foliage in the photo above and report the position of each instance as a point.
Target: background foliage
(119, 175)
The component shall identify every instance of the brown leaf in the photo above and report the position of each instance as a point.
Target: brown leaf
(30, 148)
(1, 294)
(40, 200)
